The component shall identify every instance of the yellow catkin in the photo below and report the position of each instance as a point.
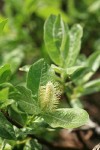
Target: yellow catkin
(49, 96)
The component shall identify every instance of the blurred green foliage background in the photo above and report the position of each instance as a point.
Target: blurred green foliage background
(22, 43)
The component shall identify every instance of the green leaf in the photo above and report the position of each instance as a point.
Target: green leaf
(68, 71)
(52, 49)
(5, 73)
(73, 69)
(56, 37)
(4, 94)
(94, 61)
(66, 118)
(2, 24)
(57, 69)
(7, 103)
(25, 100)
(35, 145)
(74, 45)
(4, 99)
(92, 87)
(65, 41)
(61, 34)
(78, 76)
(6, 128)
(94, 7)
(63, 46)
(34, 75)
(57, 31)
(38, 75)
(61, 37)
(17, 115)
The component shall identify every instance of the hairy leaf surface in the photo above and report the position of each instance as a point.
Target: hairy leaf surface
(25, 100)
(66, 118)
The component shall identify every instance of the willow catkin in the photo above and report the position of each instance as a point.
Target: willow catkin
(49, 96)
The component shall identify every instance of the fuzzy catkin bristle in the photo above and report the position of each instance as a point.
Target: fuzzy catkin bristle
(49, 96)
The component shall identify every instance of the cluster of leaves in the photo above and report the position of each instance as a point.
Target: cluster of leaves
(26, 110)
(65, 45)
(22, 40)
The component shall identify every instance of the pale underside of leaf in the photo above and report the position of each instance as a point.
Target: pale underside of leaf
(66, 118)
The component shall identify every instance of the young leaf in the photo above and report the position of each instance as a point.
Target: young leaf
(61, 36)
(57, 31)
(5, 72)
(74, 45)
(65, 41)
(34, 75)
(38, 75)
(52, 49)
(6, 128)
(73, 69)
(94, 61)
(92, 87)
(66, 118)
